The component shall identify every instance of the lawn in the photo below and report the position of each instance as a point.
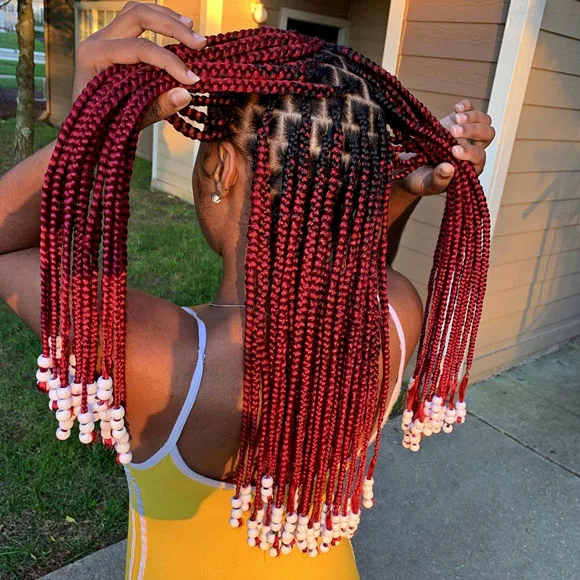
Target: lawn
(62, 500)
(12, 84)
(8, 67)
(10, 40)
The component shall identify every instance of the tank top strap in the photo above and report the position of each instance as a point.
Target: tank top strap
(192, 392)
(401, 335)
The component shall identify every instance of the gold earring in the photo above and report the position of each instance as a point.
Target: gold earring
(215, 197)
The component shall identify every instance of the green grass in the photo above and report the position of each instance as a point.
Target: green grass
(60, 501)
(10, 40)
(8, 67)
(11, 84)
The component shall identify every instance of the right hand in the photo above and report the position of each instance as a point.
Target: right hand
(120, 43)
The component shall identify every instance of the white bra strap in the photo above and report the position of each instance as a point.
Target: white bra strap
(401, 335)
(171, 442)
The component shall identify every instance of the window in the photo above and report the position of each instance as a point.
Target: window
(326, 27)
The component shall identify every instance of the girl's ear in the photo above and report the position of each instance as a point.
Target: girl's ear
(226, 173)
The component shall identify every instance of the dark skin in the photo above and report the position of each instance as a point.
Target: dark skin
(159, 370)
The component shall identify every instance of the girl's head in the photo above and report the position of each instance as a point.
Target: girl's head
(300, 145)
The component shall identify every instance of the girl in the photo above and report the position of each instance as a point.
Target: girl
(260, 406)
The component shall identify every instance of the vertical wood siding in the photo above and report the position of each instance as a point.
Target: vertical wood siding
(533, 301)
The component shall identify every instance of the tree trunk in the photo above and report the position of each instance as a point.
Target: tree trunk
(24, 138)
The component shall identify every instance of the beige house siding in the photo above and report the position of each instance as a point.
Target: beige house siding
(369, 27)
(173, 166)
(449, 51)
(60, 49)
(533, 299)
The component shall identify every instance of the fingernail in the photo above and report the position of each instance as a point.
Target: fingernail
(446, 171)
(460, 118)
(180, 97)
(198, 36)
(187, 21)
(457, 150)
(194, 78)
(456, 130)
(459, 107)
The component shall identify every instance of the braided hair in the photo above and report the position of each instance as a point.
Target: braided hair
(324, 128)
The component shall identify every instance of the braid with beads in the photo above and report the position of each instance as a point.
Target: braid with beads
(324, 128)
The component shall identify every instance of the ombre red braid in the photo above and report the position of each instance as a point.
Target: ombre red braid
(323, 127)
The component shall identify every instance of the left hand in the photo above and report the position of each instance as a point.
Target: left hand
(474, 133)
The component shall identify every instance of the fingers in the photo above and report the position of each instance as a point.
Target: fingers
(136, 50)
(166, 105)
(480, 132)
(463, 106)
(439, 179)
(471, 153)
(144, 17)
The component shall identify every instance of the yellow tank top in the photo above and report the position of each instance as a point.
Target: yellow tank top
(178, 520)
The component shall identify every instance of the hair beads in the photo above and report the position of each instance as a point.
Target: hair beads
(314, 119)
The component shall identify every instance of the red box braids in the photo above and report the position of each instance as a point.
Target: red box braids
(324, 128)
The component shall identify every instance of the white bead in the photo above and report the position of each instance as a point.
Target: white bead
(253, 533)
(271, 538)
(367, 494)
(406, 444)
(54, 383)
(276, 526)
(415, 447)
(407, 416)
(104, 395)
(436, 429)
(369, 481)
(117, 423)
(85, 438)
(76, 388)
(287, 537)
(72, 360)
(313, 553)
(303, 520)
(44, 362)
(50, 405)
(300, 536)
(252, 524)
(234, 522)
(415, 438)
(447, 428)
(264, 546)
(437, 400)
(273, 552)
(302, 545)
(122, 447)
(236, 502)
(63, 392)
(246, 490)
(125, 458)
(368, 503)
(119, 433)
(85, 418)
(76, 401)
(91, 399)
(324, 547)
(460, 405)
(63, 415)
(427, 431)
(117, 413)
(92, 389)
(277, 511)
(104, 383)
(236, 512)
(267, 481)
(64, 404)
(87, 427)
(43, 376)
(66, 425)
(100, 408)
(292, 518)
(285, 549)
(276, 518)
(252, 542)
(62, 435)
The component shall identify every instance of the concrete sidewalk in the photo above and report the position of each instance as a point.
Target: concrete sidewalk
(497, 499)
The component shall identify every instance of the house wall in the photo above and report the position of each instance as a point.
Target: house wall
(60, 49)
(533, 298)
(175, 153)
(449, 51)
(369, 27)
